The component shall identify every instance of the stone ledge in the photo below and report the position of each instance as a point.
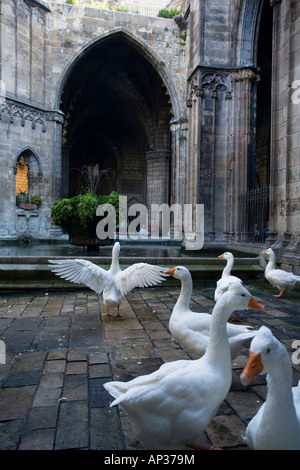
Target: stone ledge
(39, 275)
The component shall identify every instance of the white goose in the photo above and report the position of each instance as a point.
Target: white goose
(279, 278)
(173, 405)
(276, 425)
(226, 279)
(192, 329)
(114, 283)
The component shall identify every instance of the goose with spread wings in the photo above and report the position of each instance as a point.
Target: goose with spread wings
(114, 283)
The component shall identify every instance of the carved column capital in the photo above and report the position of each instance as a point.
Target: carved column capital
(244, 74)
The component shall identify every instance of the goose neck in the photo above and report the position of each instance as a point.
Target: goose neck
(271, 263)
(279, 381)
(228, 267)
(115, 265)
(218, 347)
(183, 301)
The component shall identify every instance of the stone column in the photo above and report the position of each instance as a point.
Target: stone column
(209, 166)
(243, 96)
(178, 165)
(285, 137)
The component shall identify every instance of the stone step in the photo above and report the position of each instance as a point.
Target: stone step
(34, 272)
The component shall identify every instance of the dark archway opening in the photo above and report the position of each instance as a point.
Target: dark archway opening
(116, 109)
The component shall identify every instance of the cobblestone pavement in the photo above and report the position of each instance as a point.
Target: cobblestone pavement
(60, 351)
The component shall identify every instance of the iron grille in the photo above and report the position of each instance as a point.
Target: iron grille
(254, 215)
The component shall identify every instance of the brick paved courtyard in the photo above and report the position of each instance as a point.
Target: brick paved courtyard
(60, 350)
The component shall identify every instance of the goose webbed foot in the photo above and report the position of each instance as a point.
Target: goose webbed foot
(107, 314)
(118, 312)
(280, 294)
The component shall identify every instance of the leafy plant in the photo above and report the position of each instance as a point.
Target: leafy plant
(79, 212)
(104, 5)
(112, 199)
(97, 4)
(36, 199)
(86, 208)
(63, 213)
(165, 13)
(120, 8)
(91, 178)
(21, 197)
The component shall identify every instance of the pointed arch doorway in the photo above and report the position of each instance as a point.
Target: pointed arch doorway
(117, 114)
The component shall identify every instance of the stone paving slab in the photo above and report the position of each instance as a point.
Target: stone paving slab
(60, 351)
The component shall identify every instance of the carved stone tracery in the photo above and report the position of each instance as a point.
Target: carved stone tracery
(211, 82)
(29, 113)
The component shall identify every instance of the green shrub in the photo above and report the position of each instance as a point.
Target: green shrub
(79, 212)
(165, 13)
(113, 199)
(36, 199)
(63, 213)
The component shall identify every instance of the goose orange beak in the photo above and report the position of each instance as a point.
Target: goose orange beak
(253, 367)
(221, 256)
(170, 271)
(254, 304)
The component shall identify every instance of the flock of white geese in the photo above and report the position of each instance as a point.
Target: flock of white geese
(172, 406)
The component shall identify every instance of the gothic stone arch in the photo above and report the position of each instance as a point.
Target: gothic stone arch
(136, 90)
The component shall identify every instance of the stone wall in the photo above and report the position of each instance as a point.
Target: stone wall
(40, 43)
(207, 62)
(285, 152)
(222, 81)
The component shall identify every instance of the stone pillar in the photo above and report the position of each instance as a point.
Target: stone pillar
(243, 96)
(158, 162)
(209, 165)
(178, 165)
(285, 137)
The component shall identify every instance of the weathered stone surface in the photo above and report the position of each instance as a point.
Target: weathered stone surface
(226, 431)
(55, 399)
(188, 137)
(72, 429)
(15, 402)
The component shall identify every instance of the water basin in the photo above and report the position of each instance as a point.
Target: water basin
(129, 248)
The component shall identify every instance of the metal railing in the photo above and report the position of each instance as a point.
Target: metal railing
(254, 215)
(130, 6)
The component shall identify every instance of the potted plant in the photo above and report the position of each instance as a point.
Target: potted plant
(21, 198)
(22, 201)
(36, 199)
(77, 217)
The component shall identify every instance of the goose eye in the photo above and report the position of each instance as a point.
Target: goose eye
(268, 350)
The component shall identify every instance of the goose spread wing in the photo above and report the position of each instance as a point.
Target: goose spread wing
(81, 271)
(139, 275)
